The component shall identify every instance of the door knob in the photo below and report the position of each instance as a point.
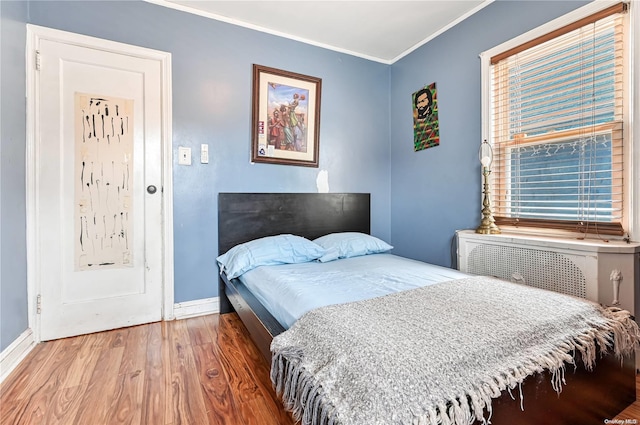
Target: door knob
(151, 189)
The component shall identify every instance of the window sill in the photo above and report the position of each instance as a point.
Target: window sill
(555, 241)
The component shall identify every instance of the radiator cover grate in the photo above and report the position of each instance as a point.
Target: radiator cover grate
(541, 269)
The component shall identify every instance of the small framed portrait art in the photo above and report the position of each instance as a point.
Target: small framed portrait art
(426, 129)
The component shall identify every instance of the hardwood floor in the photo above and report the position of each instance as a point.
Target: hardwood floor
(203, 370)
(200, 371)
(631, 415)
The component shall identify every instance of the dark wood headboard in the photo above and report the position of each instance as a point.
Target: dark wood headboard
(246, 216)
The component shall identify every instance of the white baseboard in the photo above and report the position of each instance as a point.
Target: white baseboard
(196, 308)
(15, 353)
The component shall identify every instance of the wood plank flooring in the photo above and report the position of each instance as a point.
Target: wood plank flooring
(200, 371)
(631, 415)
(203, 370)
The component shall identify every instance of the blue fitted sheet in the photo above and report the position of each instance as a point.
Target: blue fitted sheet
(290, 290)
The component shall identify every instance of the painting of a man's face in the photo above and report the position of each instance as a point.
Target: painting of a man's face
(423, 103)
(426, 129)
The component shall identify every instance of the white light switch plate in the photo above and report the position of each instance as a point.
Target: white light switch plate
(204, 153)
(184, 155)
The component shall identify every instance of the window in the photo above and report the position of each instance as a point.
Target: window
(556, 123)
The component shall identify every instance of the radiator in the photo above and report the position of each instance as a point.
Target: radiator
(605, 272)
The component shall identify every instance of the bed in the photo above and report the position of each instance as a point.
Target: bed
(587, 396)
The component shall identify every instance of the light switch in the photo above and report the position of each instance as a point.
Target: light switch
(204, 153)
(184, 155)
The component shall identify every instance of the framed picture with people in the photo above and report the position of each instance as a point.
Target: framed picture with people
(285, 117)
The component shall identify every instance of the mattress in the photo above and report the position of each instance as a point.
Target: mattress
(288, 291)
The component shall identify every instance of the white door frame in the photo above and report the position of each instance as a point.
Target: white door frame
(34, 36)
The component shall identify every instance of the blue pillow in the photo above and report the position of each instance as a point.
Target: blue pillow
(271, 250)
(350, 244)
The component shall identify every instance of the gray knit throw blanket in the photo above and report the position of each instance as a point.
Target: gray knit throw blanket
(436, 355)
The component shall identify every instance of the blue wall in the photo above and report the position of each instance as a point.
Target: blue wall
(13, 220)
(418, 198)
(436, 191)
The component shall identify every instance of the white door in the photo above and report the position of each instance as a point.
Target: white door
(98, 187)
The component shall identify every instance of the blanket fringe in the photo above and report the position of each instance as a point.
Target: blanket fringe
(304, 397)
(300, 394)
(618, 332)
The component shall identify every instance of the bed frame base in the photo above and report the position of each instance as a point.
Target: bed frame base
(262, 326)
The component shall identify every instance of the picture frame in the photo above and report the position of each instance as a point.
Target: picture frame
(426, 125)
(285, 117)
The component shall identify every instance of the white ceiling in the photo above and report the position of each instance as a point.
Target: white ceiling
(382, 31)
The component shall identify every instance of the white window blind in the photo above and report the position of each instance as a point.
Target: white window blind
(557, 121)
